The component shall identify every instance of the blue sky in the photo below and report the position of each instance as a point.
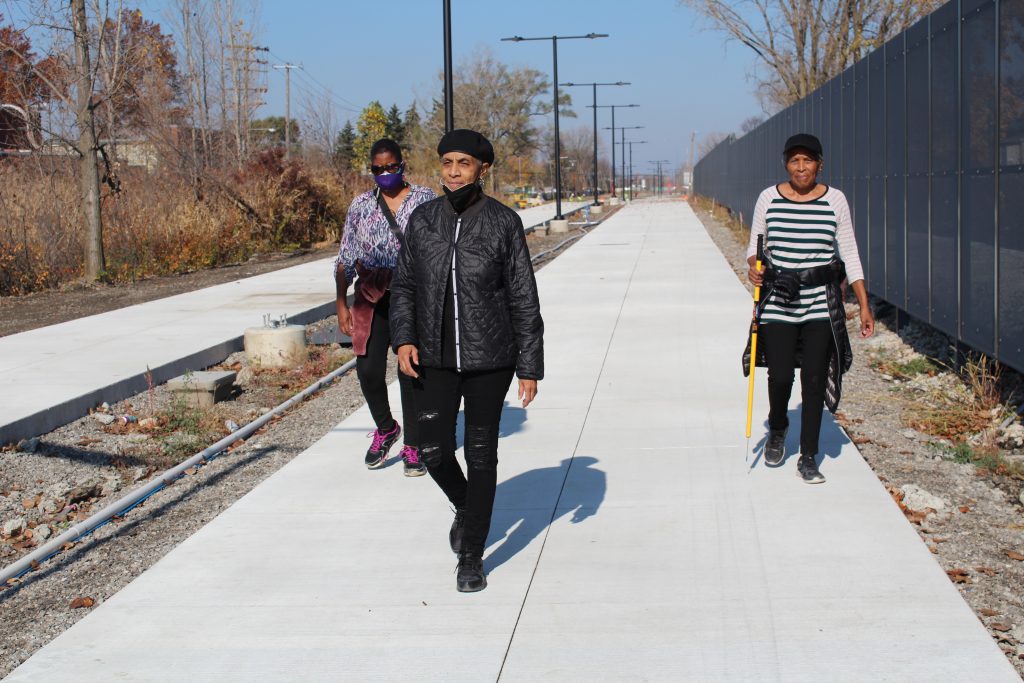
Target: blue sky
(685, 78)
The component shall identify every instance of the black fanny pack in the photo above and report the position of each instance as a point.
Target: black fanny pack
(786, 284)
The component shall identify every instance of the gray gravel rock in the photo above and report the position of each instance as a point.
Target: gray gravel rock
(90, 489)
(916, 498)
(14, 527)
(104, 418)
(28, 445)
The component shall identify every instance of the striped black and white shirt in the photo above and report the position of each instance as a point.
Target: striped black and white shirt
(800, 235)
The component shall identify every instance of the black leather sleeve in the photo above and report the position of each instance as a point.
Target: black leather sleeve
(403, 287)
(524, 305)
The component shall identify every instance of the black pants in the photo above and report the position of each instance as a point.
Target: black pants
(781, 341)
(372, 372)
(438, 404)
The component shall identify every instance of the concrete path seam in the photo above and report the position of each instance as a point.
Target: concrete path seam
(558, 498)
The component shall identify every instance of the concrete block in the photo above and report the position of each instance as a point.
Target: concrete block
(276, 347)
(203, 389)
(558, 226)
(596, 210)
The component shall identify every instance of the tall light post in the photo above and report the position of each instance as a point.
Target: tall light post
(613, 107)
(449, 89)
(597, 191)
(659, 162)
(632, 188)
(558, 145)
(623, 129)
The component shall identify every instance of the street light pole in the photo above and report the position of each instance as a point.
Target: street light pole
(558, 146)
(632, 188)
(659, 162)
(597, 190)
(449, 89)
(613, 107)
(623, 129)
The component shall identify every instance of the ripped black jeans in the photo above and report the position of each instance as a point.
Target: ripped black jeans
(437, 399)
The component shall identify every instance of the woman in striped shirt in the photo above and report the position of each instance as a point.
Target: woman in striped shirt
(808, 238)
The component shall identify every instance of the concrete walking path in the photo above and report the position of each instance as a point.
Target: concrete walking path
(53, 375)
(631, 540)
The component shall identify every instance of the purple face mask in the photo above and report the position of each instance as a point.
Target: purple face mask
(389, 182)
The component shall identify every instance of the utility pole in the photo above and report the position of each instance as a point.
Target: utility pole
(242, 82)
(287, 68)
(693, 135)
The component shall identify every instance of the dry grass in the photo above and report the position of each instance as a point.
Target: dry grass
(286, 382)
(964, 413)
(723, 215)
(159, 223)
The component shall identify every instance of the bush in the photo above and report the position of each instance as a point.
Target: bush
(162, 222)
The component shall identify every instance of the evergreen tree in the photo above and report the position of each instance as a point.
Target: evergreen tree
(395, 128)
(372, 126)
(344, 147)
(411, 124)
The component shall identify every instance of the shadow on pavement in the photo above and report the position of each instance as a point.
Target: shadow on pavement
(830, 442)
(513, 530)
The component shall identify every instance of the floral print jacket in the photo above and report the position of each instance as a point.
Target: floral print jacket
(368, 238)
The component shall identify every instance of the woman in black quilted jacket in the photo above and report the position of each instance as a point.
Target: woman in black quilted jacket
(465, 319)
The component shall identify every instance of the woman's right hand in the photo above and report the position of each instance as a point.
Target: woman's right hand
(344, 317)
(755, 276)
(408, 357)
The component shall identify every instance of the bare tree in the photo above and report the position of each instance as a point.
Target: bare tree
(319, 120)
(750, 123)
(69, 73)
(499, 101)
(709, 142)
(87, 142)
(801, 44)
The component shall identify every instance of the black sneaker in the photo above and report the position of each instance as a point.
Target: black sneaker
(457, 531)
(807, 469)
(413, 466)
(382, 443)
(775, 447)
(470, 576)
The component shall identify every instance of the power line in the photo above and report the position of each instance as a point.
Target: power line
(345, 104)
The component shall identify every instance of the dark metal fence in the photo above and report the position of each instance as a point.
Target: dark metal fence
(925, 136)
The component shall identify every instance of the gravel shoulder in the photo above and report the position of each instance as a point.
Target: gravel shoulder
(970, 518)
(51, 483)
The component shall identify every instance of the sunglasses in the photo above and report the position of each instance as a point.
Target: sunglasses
(389, 168)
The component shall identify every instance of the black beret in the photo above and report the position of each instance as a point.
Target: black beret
(468, 142)
(804, 141)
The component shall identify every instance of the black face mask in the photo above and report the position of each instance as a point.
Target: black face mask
(461, 198)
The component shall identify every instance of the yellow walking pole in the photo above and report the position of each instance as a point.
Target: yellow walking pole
(753, 336)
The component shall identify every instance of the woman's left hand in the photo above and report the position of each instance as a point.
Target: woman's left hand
(527, 391)
(867, 322)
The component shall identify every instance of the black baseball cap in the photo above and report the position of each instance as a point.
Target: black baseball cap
(803, 141)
